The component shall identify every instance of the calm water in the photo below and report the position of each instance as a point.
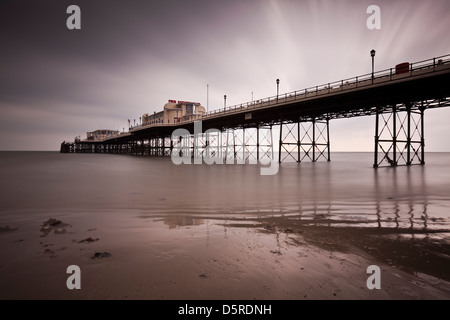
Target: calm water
(345, 190)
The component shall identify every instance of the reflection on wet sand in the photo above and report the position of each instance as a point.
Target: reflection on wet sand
(391, 232)
(413, 249)
(398, 226)
(175, 221)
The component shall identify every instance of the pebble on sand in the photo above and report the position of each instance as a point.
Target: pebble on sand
(88, 240)
(53, 225)
(101, 255)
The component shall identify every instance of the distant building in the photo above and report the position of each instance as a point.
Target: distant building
(175, 112)
(101, 134)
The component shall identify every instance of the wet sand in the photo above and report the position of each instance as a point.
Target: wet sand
(200, 257)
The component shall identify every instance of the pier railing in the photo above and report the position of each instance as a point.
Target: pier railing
(379, 77)
(415, 69)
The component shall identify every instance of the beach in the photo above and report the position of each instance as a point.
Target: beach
(144, 228)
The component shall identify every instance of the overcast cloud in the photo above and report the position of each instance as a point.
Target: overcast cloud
(130, 57)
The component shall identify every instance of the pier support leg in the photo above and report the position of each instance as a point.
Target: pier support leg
(394, 137)
(298, 142)
(271, 142)
(163, 153)
(377, 121)
(226, 145)
(314, 140)
(234, 144)
(422, 133)
(257, 142)
(311, 139)
(243, 145)
(399, 135)
(280, 142)
(408, 138)
(328, 140)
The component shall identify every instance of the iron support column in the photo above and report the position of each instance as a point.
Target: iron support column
(314, 140)
(298, 141)
(408, 139)
(281, 137)
(328, 139)
(422, 140)
(234, 145)
(394, 138)
(375, 161)
(257, 142)
(243, 144)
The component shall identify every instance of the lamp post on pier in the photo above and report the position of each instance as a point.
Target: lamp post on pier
(372, 54)
(278, 87)
(224, 102)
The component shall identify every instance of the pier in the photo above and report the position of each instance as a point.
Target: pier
(396, 97)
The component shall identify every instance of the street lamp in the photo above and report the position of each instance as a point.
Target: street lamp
(278, 87)
(224, 102)
(372, 54)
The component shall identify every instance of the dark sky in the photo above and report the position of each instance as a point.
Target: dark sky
(130, 57)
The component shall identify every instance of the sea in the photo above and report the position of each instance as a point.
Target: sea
(347, 188)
